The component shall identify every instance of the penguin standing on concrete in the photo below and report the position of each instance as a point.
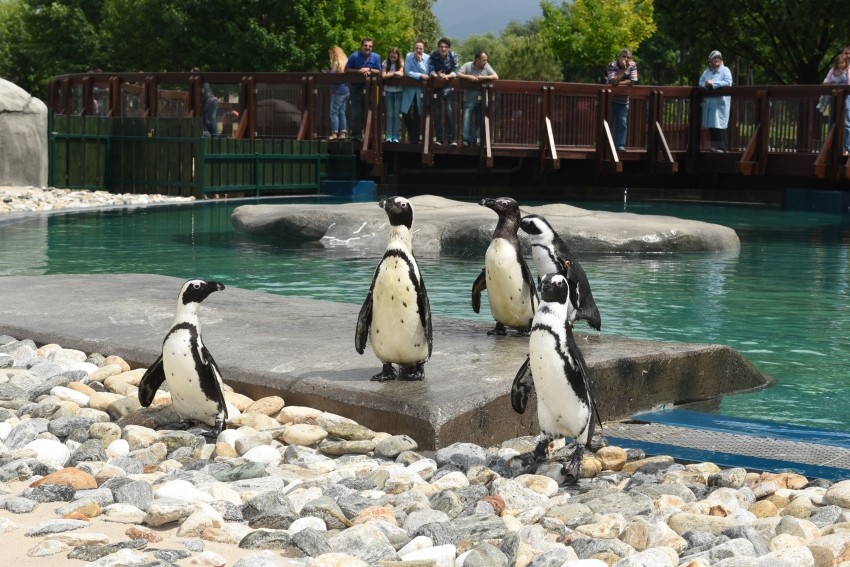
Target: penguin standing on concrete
(561, 378)
(396, 315)
(186, 365)
(506, 277)
(552, 255)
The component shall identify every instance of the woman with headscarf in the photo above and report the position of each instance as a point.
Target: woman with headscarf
(715, 109)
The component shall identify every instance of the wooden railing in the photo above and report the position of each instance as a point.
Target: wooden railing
(772, 129)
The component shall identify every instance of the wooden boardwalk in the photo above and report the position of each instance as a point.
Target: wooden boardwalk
(773, 130)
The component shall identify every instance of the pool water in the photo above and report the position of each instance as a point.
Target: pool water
(782, 301)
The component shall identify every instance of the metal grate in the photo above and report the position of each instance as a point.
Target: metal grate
(744, 445)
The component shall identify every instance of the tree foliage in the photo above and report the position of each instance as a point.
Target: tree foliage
(40, 39)
(586, 35)
(774, 40)
(517, 54)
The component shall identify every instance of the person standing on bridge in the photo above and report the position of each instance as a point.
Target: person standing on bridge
(715, 109)
(367, 64)
(475, 71)
(443, 65)
(621, 73)
(415, 67)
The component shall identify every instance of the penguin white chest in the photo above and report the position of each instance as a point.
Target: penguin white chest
(543, 260)
(559, 410)
(397, 334)
(184, 378)
(510, 296)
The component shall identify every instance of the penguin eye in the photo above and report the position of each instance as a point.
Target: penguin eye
(196, 285)
(403, 205)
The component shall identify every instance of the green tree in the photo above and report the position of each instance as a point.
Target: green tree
(778, 41)
(425, 24)
(586, 35)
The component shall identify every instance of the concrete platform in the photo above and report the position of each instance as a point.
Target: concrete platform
(303, 349)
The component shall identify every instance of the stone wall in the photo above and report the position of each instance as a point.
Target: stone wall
(23, 137)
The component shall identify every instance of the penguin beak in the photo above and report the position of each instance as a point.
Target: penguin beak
(489, 203)
(215, 286)
(383, 203)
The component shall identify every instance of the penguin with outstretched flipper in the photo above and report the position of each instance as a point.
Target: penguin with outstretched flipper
(506, 277)
(186, 366)
(396, 315)
(561, 379)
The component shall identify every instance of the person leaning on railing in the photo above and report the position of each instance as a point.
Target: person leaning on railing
(443, 65)
(415, 67)
(715, 109)
(474, 71)
(366, 63)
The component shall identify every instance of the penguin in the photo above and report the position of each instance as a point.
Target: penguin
(506, 277)
(186, 365)
(552, 255)
(561, 378)
(396, 315)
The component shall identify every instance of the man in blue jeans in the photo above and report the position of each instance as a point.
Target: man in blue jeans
(621, 73)
(442, 64)
(366, 63)
(475, 71)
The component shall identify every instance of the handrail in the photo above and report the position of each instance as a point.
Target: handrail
(772, 128)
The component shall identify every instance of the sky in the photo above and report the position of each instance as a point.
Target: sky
(462, 18)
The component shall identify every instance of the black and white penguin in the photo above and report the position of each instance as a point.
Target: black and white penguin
(506, 277)
(396, 315)
(561, 378)
(186, 365)
(552, 255)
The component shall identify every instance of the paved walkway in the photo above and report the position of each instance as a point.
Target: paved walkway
(303, 349)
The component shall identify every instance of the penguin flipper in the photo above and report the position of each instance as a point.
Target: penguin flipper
(364, 321)
(211, 380)
(576, 354)
(522, 386)
(152, 379)
(479, 285)
(425, 316)
(529, 279)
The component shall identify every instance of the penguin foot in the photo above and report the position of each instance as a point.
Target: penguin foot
(499, 330)
(572, 471)
(213, 433)
(387, 373)
(416, 374)
(522, 333)
(533, 459)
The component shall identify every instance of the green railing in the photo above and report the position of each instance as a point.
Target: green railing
(170, 156)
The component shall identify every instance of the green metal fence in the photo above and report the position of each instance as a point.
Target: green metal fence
(170, 156)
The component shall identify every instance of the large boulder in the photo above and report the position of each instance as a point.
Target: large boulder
(444, 226)
(23, 137)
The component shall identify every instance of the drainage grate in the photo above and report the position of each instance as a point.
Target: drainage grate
(744, 445)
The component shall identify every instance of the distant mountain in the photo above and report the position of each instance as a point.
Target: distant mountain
(462, 18)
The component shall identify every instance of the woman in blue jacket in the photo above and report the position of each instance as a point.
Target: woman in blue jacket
(715, 109)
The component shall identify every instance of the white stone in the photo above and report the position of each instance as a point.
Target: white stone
(123, 513)
(50, 451)
(86, 367)
(307, 522)
(452, 481)
(263, 454)
(204, 517)
(69, 395)
(117, 448)
(538, 483)
(424, 468)
(416, 544)
(180, 490)
(441, 555)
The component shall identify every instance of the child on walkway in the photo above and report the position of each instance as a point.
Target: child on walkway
(393, 68)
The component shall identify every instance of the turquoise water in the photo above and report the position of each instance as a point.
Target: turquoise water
(781, 301)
